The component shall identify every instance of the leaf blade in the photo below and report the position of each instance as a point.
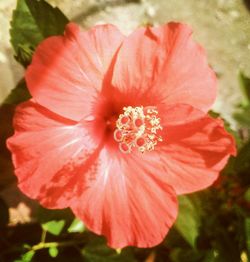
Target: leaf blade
(188, 221)
(32, 21)
(54, 227)
(76, 226)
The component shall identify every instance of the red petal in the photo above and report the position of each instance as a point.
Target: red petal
(67, 71)
(128, 202)
(164, 65)
(195, 153)
(178, 114)
(47, 151)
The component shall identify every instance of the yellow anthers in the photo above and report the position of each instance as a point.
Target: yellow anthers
(138, 127)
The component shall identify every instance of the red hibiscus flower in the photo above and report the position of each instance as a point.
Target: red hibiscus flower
(117, 127)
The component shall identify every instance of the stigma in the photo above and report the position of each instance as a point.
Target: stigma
(137, 128)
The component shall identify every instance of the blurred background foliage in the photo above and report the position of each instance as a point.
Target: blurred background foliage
(213, 225)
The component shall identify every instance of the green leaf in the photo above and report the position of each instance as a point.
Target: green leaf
(247, 195)
(242, 161)
(188, 221)
(53, 251)
(247, 232)
(27, 257)
(76, 226)
(19, 94)
(243, 117)
(24, 54)
(33, 21)
(245, 89)
(54, 227)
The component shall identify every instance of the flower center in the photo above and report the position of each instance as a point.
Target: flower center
(138, 127)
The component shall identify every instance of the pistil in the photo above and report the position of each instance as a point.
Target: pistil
(138, 128)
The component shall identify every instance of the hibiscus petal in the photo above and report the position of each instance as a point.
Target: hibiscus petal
(164, 65)
(46, 149)
(194, 153)
(128, 202)
(67, 71)
(178, 114)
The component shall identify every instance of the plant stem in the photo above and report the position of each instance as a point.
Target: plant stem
(43, 245)
(43, 237)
